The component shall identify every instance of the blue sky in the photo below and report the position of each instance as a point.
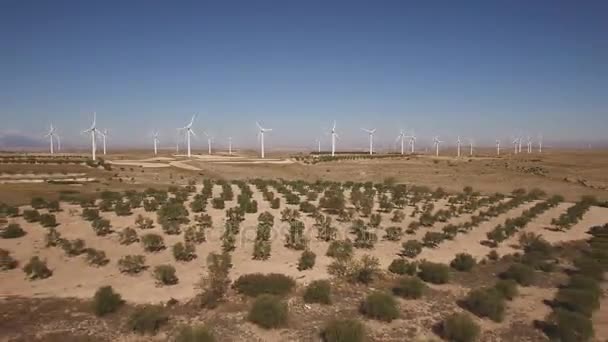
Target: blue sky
(472, 68)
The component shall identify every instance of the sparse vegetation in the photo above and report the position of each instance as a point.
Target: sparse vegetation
(460, 327)
(132, 264)
(106, 301)
(255, 284)
(318, 291)
(343, 330)
(380, 306)
(165, 275)
(36, 268)
(147, 319)
(268, 311)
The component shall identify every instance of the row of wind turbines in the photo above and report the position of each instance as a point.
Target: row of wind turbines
(187, 131)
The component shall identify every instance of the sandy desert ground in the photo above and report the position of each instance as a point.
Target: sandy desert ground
(571, 174)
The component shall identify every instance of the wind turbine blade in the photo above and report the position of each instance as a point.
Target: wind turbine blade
(333, 129)
(191, 121)
(259, 126)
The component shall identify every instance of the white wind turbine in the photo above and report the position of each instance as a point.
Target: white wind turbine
(371, 138)
(497, 147)
(471, 147)
(529, 145)
(156, 141)
(229, 146)
(436, 141)
(401, 137)
(515, 142)
(540, 143)
(209, 141)
(188, 131)
(318, 146)
(51, 135)
(412, 141)
(261, 132)
(93, 130)
(104, 135)
(458, 144)
(334, 136)
(519, 144)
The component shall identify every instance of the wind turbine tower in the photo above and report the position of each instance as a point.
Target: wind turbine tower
(334, 136)
(371, 139)
(93, 131)
(156, 141)
(471, 147)
(229, 146)
(104, 135)
(540, 143)
(515, 145)
(412, 142)
(51, 135)
(261, 136)
(529, 145)
(401, 137)
(436, 141)
(458, 144)
(209, 140)
(188, 131)
(497, 147)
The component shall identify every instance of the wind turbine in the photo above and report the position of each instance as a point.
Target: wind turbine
(515, 141)
(497, 147)
(188, 131)
(51, 134)
(471, 147)
(209, 140)
(529, 145)
(540, 143)
(401, 137)
(519, 144)
(458, 144)
(371, 138)
(261, 136)
(104, 135)
(229, 146)
(436, 141)
(93, 130)
(156, 141)
(412, 141)
(318, 146)
(334, 136)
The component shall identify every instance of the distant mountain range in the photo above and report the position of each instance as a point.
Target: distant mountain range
(10, 140)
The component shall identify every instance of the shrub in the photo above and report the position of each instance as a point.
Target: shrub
(147, 319)
(366, 270)
(411, 248)
(165, 275)
(340, 249)
(96, 257)
(218, 203)
(486, 302)
(435, 273)
(275, 203)
(52, 238)
(216, 282)
(198, 333)
(31, 215)
(571, 326)
(101, 227)
(128, 236)
(587, 284)
(522, 274)
(195, 234)
(493, 255)
(380, 306)
(343, 330)
(12, 231)
(460, 327)
(38, 203)
(393, 233)
(268, 312)
(152, 242)
(463, 262)
(398, 216)
(7, 262)
(90, 214)
(409, 287)
(122, 208)
(581, 301)
(37, 269)
(296, 239)
(73, 247)
(307, 260)
(432, 239)
(507, 288)
(318, 291)
(132, 264)
(106, 301)
(144, 222)
(184, 251)
(589, 267)
(261, 250)
(255, 284)
(401, 266)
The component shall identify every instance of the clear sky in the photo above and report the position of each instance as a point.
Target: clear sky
(484, 69)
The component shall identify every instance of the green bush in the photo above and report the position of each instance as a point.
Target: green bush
(261, 250)
(307, 260)
(48, 220)
(460, 327)
(147, 319)
(507, 288)
(52, 238)
(128, 236)
(7, 262)
(38, 203)
(132, 264)
(587, 284)
(487, 302)
(106, 301)
(318, 291)
(218, 203)
(578, 300)
(268, 311)
(96, 257)
(198, 333)
(31, 215)
(409, 288)
(255, 284)
(393, 233)
(522, 274)
(37, 269)
(411, 248)
(493, 255)
(380, 306)
(463, 262)
(184, 251)
(195, 234)
(340, 249)
(402, 266)
(90, 214)
(152, 242)
(165, 275)
(12, 231)
(72, 247)
(435, 273)
(101, 227)
(343, 330)
(589, 267)
(571, 326)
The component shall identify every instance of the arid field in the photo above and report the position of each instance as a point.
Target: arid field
(420, 248)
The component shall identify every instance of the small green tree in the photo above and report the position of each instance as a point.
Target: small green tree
(106, 301)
